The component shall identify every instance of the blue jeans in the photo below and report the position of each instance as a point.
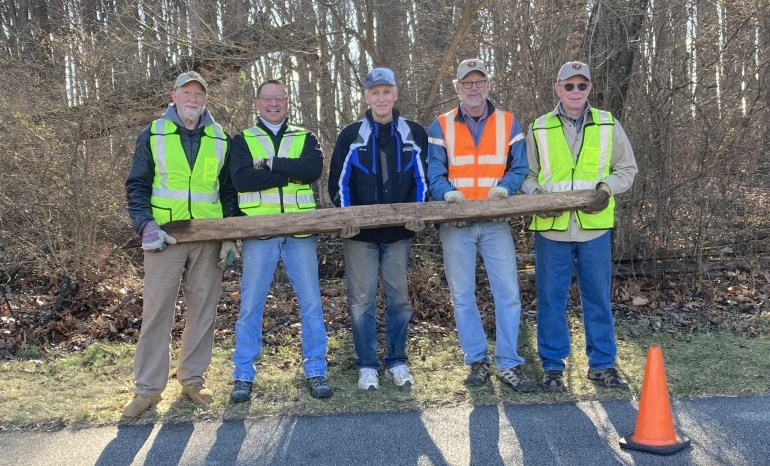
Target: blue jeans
(494, 242)
(260, 258)
(554, 262)
(362, 259)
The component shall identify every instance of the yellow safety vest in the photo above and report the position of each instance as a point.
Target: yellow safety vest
(559, 173)
(178, 192)
(293, 197)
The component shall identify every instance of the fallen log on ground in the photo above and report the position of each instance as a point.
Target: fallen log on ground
(370, 216)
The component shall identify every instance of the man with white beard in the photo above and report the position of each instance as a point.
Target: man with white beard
(179, 172)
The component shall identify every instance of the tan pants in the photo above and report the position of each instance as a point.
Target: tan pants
(195, 264)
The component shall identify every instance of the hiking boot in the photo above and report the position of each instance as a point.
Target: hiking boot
(400, 376)
(319, 387)
(552, 381)
(241, 391)
(198, 394)
(368, 379)
(478, 374)
(140, 404)
(608, 378)
(515, 378)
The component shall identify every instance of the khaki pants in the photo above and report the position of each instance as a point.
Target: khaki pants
(195, 265)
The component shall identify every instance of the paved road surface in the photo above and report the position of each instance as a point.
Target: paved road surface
(730, 431)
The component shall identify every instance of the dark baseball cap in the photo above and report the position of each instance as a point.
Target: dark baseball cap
(379, 76)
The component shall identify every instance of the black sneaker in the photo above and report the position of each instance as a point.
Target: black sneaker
(241, 391)
(607, 378)
(515, 378)
(319, 387)
(478, 374)
(552, 381)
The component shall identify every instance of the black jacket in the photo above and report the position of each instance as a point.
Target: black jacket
(140, 178)
(357, 177)
(246, 178)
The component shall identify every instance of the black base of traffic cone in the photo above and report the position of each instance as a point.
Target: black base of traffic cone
(628, 444)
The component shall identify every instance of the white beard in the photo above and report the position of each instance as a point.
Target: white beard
(188, 113)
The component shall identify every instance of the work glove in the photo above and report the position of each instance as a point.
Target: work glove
(349, 232)
(415, 225)
(498, 192)
(154, 239)
(454, 196)
(226, 254)
(601, 200)
(548, 213)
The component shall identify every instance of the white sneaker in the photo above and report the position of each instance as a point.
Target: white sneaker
(368, 379)
(400, 375)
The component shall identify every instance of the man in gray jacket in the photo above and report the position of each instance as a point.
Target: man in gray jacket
(179, 172)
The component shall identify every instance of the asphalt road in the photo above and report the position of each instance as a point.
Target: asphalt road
(728, 430)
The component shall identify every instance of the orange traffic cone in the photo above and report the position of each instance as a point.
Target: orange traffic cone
(654, 425)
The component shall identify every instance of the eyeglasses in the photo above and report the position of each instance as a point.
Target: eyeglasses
(569, 87)
(470, 84)
(270, 98)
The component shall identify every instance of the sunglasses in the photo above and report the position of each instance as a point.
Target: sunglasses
(569, 87)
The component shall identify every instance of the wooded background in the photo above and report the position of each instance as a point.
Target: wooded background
(80, 78)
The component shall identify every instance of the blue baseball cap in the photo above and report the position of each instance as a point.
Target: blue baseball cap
(379, 76)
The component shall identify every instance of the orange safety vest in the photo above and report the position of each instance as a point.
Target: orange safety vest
(474, 170)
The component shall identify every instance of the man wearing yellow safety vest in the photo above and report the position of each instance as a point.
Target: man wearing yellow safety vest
(179, 172)
(476, 151)
(273, 166)
(574, 147)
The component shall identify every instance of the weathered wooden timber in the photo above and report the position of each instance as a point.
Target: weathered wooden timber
(370, 216)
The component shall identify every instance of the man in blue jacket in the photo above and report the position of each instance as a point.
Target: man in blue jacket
(379, 160)
(179, 172)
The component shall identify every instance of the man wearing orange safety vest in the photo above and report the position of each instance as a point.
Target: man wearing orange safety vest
(179, 172)
(477, 151)
(574, 147)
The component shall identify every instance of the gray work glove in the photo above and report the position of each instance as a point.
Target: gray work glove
(601, 200)
(415, 225)
(454, 196)
(154, 239)
(226, 254)
(349, 232)
(547, 213)
(498, 192)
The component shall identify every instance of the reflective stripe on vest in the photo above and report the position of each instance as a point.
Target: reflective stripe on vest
(179, 193)
(474, 170)
(559, 173)
(293, 197)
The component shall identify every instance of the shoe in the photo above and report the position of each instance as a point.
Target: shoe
(368, 379)
(515, 378)
(400, 376)
(140, 404)
(607, 378)
(241, 391)
(478, 374)
(552, 381)
(319, 387)
(198, 394)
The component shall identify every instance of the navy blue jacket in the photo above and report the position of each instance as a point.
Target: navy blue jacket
(357, 177)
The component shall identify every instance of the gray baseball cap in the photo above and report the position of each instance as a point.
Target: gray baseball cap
(379, 76)
(573, 68)
(190, 76)
(471, 64)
